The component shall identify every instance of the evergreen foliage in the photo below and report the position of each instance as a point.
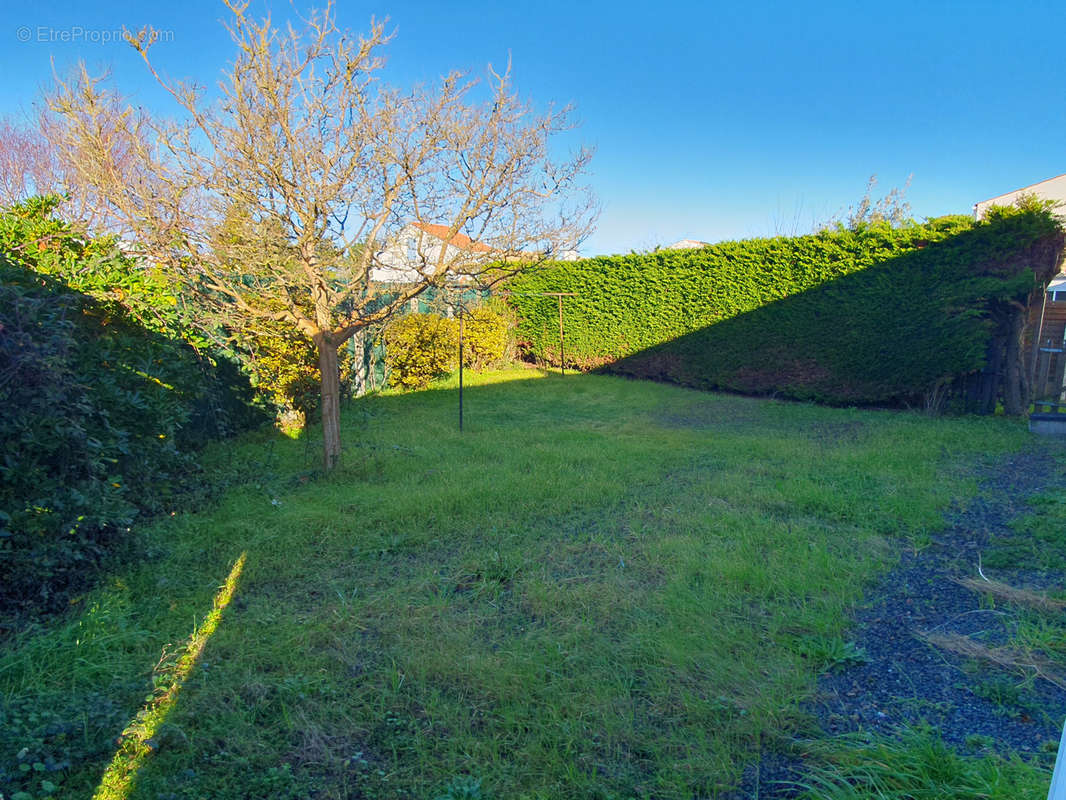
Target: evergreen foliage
(872, 315)
(106, 390)
(625, 304)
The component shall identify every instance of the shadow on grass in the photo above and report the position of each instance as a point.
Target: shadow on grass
(575, 597)
(137, 741)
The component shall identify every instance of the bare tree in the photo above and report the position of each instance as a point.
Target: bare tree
(307, 137)
(31, 164)
(892, 208)
(26, 166)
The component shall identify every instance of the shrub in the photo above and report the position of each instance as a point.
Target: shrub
(625, 304)
(419, 348)
(875, 315)
(283, 368)
(487, 334)
(103, 403)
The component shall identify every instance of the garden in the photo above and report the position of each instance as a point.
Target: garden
(600, 588)
(594, 587)
(321, 477)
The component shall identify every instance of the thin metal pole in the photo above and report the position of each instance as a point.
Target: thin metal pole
(460, 370)
(562, 358)
(1037, 341)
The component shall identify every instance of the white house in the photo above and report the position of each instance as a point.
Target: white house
(417, 252)
(1051, 189)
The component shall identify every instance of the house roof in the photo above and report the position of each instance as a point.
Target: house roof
(686, 244)
(460, 240)
(1050, 188)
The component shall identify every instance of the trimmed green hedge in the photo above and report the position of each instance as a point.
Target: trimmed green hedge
(875, 315)
(628, 303)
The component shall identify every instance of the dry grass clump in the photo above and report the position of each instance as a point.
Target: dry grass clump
(1011, 594)
(1006, 657)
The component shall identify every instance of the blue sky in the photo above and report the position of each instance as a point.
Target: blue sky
(710, 120)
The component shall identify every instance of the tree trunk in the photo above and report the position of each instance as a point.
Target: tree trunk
(1016, 384)
(988, 389)
(330, 405)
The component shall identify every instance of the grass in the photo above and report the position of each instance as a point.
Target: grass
(601, 589)
(917, 765)
(1038, 541)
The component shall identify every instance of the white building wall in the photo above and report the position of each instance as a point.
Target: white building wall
(399, 261)
(1051, 189)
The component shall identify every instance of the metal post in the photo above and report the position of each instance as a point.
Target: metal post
(460, 369)
(1037, 341)
(562, 358)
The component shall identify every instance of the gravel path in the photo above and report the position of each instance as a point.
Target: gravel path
(907, 680)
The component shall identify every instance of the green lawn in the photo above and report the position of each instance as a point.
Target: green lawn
(601, 589)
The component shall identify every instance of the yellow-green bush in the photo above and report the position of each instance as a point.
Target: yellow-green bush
(487, 335)
(283, 367)
(419, 348)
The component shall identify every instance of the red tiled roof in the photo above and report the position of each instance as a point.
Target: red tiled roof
(460, 240)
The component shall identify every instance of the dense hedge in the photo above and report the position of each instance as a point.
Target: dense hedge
(875, 315)
(104, 396)
(628, 303)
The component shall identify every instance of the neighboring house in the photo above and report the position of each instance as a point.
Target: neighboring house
(1056, 290)
(1051, 189)
(1048, 364)
(687, 244)
(418, 249)
(1047, 320)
